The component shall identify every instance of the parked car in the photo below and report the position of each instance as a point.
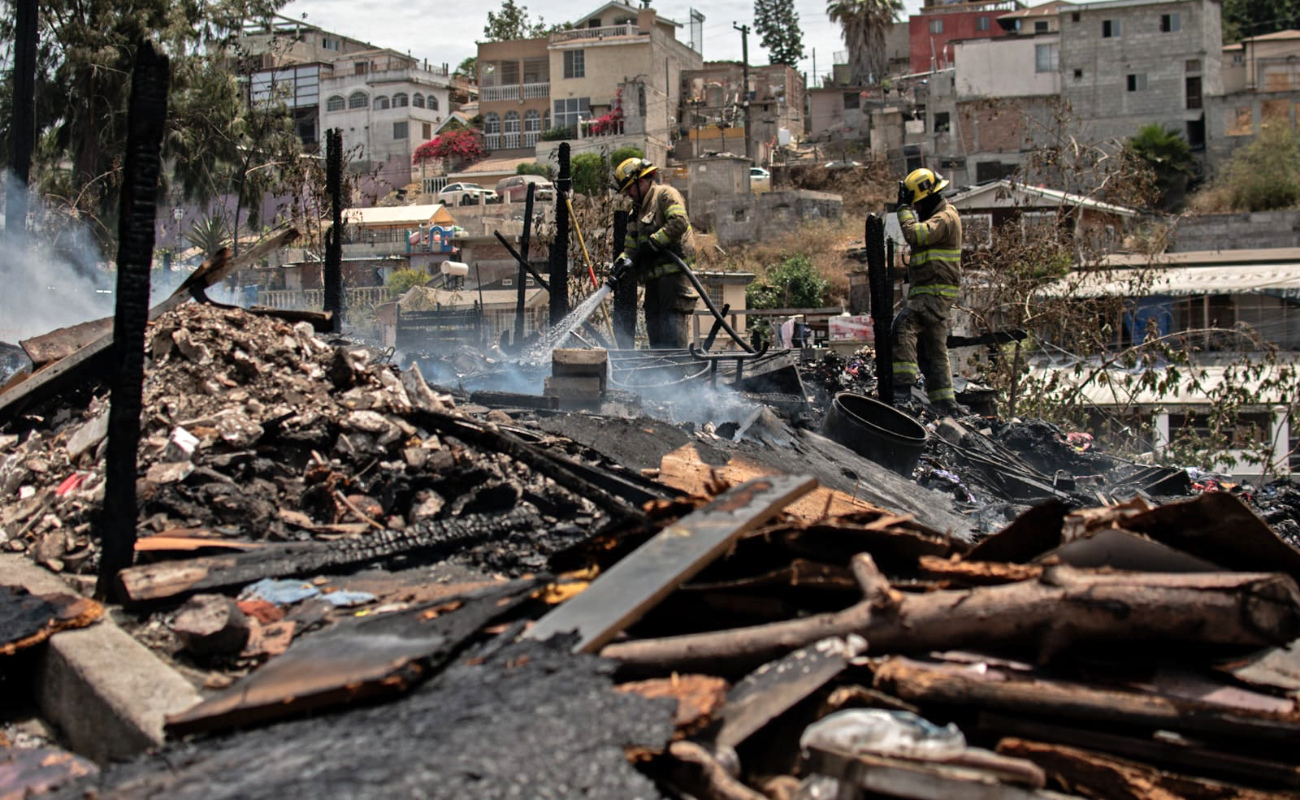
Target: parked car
(515, 188)
(464, 194)
(760, 180)
(842, 164)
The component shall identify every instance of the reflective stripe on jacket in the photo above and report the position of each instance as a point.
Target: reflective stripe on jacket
(662, 218)
(935, 266)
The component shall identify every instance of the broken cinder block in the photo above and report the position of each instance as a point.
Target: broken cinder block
(581, 363)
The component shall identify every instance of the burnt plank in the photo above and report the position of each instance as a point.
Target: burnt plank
(376, 656)
(169, 579)
(27, 619)
(673, 556)
(776, 687)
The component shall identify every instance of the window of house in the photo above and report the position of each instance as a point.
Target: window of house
(335, 103)
(1137, 82)
(981, 23)
(491, 123)
(1040, 26)
(1169, 23)
(432, 103)
(417, 100)
(426, 129)
(1193, 91)
(358, 100)
(571, 109)
(381, 103)
(1074, 17)
(509, 73)
(936, 26)
(575, 64)
(399, 130)
(361, 67)
(532, 121)
(1111, 29)
(852, 100)
(329, 44)
(1046, 57)
(512, 122)
(1193, 65)
(1078, 74)
(401, 100)
(1196, 133)
(942, 122)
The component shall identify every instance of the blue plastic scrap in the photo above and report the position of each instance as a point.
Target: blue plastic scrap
(280, 592)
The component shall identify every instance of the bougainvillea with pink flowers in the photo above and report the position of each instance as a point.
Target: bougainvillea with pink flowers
(459, 146)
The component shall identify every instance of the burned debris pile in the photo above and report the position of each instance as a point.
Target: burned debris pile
(550, 603)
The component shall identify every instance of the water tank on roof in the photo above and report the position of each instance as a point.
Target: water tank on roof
(457, 269)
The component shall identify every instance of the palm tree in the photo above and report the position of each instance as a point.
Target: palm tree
(865, 23)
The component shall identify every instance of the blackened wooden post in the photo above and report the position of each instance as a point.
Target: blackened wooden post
(624, 293)
(879, 276)
(559, 257)
(146, 118)
(22, 136)
(525, 238)
(333, 278)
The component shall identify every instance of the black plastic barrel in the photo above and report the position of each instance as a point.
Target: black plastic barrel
(876, 431)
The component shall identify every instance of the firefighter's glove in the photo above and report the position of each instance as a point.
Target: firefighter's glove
(621, 269)
(904, 196)
(654, 246)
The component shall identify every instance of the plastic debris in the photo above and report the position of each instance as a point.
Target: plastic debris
(900, 734)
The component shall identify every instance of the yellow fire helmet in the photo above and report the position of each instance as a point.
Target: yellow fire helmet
(922, 183)
(631, 170)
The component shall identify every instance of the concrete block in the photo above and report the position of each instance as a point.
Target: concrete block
(105, 692)
(587, 363)
(573, 388)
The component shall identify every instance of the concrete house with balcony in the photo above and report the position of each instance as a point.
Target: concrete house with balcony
(938, 24)
(387, 104)
(616, 56)
(1261, 85)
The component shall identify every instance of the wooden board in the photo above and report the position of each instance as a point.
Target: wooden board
(376, 656)
(650, 573)
(895, 777)
(776, 687)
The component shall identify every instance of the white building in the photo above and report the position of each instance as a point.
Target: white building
(387, 105)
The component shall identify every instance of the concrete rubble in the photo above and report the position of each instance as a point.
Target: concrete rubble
(358, 571)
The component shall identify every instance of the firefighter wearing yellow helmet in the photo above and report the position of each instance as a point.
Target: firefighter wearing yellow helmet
(932, 228)
(658, 225)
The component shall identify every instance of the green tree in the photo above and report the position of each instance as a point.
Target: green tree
(469, 67)
(545, 170)
(210, 232)
(864, 24)
(794, 283)
(401, 280)
(1167, 154)
(623, 154)
(1243, 19)
(590, 173)
(778, 23)
(1265, 174)
(512, 22)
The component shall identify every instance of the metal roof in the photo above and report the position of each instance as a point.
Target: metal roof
(1112, 387)
(393, 215)
(1005, 194)
(1278, 280)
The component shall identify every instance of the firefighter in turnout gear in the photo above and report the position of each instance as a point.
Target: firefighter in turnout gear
(657, 226)
(932, 228)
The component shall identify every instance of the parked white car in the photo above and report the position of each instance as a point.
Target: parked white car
(760, 180)
(460, 194)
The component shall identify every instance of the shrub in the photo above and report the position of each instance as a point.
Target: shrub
(623, 154)
(794, 283)
(589, 173)
(1262, 176)
(403, 279)
(558, 134)
(534, 168)
(1168, 155)
(463, 146)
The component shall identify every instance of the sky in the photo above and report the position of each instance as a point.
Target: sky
(424, 27)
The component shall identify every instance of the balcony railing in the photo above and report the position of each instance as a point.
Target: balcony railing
(582, 34)
(535, 91)
(492, 141)
(496, 94)
(510, 141)
(531, 138)
(587, 129)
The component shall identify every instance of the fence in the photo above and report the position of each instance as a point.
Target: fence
(359, 297)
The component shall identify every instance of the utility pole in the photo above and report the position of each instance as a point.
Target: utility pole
(744, 55)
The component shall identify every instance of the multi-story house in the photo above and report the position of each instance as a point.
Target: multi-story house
(386, 104)
(615, 58)
(931, 32)
(1261, 83)
(713, 109)
(1129, 63)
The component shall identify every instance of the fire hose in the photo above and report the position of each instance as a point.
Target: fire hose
(704, 295)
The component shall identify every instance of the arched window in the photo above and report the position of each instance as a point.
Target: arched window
(400, 100)
(491, 123)
(532, 121)
(335, 103)
(381, 103)
(546, 120)
(417, 100)
(433, 103)
(357, 100)
(512, 122)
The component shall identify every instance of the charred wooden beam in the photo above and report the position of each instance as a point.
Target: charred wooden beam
(440, 538)
(22, 131)
(525, 241)
(559, 255)
(1063, 607)
(524, 263)
(146, 119)
(333, 275)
